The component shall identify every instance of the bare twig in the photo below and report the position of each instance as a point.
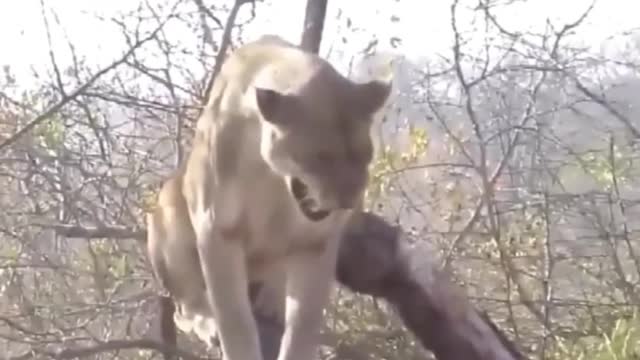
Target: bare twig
(54, 63)
(206, 31)
(224, 45)
(118, 345)
(602, 101)
(487, 200)
(111, 232)
(79, 90)
(548, 264)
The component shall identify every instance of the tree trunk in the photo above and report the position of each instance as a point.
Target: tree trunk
(314, 16)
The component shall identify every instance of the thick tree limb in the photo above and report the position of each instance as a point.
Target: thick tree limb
(167, 326)
(375, 261)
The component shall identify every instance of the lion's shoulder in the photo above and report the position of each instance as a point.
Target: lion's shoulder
(269, 62)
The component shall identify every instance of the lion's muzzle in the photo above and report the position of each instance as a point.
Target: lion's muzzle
(307, 204)
(317, 205)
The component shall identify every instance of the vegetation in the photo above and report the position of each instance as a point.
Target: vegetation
(509, 155)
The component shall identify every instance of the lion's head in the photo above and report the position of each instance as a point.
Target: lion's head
(317, 137)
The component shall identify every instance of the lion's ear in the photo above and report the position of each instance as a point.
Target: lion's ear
(370, 96)
(269, 102)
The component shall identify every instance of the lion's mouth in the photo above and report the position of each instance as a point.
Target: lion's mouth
(307, 204)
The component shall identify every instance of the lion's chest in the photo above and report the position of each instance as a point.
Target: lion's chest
(254, 203)
(272, 228)
(278, 224)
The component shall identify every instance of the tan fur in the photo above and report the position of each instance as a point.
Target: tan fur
(279, 162)
(174, 259)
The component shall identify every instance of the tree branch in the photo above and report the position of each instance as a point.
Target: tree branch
(224, 45)
(79, 90)
(111, 232)
(600, 100)
(118, 345)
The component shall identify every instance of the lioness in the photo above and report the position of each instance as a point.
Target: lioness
(279, 162)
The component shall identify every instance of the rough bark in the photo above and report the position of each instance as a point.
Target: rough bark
(168, 331)
(374, 260)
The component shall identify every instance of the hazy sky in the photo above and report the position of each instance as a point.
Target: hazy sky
(423, 26)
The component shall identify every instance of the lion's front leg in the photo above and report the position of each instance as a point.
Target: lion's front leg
(310, 279)
(225, 274)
